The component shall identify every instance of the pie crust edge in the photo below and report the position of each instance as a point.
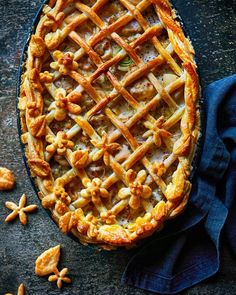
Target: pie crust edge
(34, 126)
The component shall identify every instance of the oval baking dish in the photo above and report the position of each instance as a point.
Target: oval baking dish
(109, 116)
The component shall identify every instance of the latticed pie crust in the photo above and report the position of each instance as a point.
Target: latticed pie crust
(109, 116)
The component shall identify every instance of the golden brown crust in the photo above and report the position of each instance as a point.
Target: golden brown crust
(7, 179)
(40, 167)
(37, 46)
(133, 199)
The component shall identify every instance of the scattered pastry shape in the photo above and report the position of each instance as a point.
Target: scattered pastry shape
(20, 210)
(60, 277)
(7, 179)
(21, 290)
(47, 263)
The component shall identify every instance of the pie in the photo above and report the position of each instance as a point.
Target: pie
(109, 116)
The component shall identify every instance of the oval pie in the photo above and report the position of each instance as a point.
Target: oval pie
(109, 116)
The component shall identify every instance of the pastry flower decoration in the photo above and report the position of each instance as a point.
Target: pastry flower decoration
(33, 108)
(47, 263)
(19, 210)
(45, 77)
(54, 22)
(105, 149)
(159, 168)
(94, 191)
(85, 224)
(65, 104)
(108, 217)
(64, 62)
(59, 198)
(136, 190)
(157, 131)
(58, 144)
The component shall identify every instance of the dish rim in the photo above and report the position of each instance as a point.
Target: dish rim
(20, 72)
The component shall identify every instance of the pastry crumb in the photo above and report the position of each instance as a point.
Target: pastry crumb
(7, 179)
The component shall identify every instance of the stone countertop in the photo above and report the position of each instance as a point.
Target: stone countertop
(211, 25)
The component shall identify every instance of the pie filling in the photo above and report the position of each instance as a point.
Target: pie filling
(109, 116)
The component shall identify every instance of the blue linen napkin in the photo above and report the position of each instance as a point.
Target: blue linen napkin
(187, 251)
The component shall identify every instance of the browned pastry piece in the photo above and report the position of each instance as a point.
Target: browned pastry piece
(19, 210)
(7, 179)
(20, 291)
(47, 263)
(109, 115)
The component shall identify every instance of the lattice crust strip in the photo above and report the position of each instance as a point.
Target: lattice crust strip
(109, 116)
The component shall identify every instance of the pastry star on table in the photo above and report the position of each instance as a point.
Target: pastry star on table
(60, 277)
(20, 210)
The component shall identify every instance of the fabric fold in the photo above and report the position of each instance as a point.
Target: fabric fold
(187, 251)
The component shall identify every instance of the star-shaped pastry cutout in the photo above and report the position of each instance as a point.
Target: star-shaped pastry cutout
(157, 130)
(105, 148)
(20, 210)
(60, 277)
(137, 190)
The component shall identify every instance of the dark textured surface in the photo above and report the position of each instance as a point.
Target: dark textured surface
(211, 25)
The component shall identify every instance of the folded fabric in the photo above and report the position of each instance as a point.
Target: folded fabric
(187, 251)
